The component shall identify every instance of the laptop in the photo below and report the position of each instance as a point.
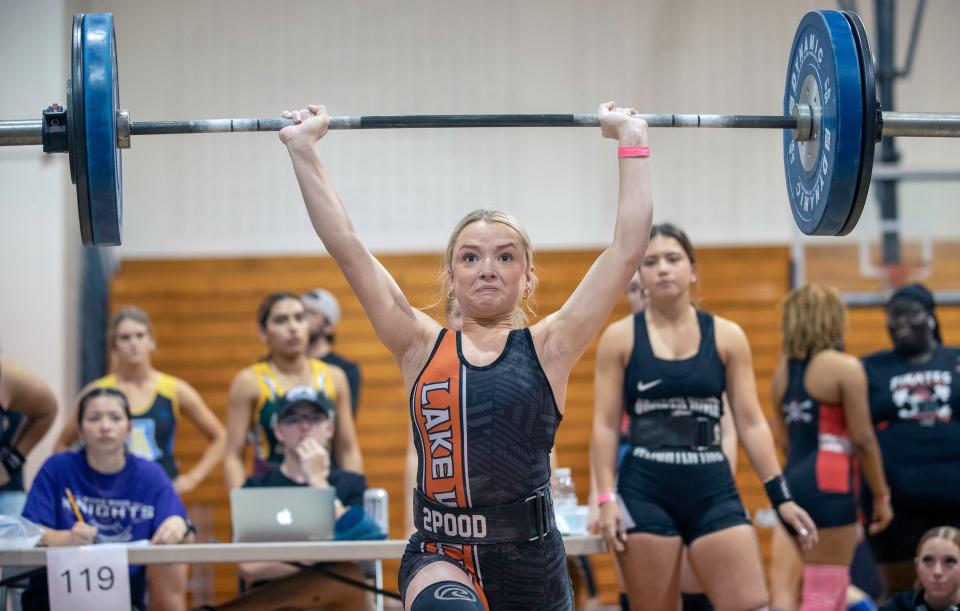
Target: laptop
(289, 513)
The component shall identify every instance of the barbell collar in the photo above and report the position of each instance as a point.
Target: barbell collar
(803, 115)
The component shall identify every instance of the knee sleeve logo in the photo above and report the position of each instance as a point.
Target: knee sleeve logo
(455, 592)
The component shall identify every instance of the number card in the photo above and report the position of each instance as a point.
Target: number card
(88, 577)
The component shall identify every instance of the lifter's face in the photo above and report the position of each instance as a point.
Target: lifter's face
(132, 341)
(489, 270)
(286, 330)
(666, 271)
(939, 572)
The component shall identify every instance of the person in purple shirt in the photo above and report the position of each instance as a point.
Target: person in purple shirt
(120, 497)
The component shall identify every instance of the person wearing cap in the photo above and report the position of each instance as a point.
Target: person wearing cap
(255, 391)
(914, 393)
(304, 424)
(323, 316)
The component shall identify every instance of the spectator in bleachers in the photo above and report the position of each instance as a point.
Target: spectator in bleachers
(323, 316)
(255, 390)
(27, 410)
(914, 393)
(158, 400)
(102, 493)
(304, 426)
(938, 574)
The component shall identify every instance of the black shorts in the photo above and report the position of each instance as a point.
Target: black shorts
(827, 509)
(515, 576)
(693, 496)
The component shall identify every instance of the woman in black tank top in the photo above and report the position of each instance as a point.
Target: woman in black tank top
(669, 366)
(485, 401)
(822, 419)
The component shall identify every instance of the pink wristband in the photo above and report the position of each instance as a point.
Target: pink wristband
(633, 151)
(606, 498)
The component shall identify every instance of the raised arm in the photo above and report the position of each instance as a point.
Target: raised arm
(194, 408)
(403, 329)
(568, 331)
(240, 403)
(755, 436)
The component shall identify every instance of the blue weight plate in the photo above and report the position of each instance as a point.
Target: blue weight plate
(870, 116)
(101, 98)
(822, 174)
(76, 135)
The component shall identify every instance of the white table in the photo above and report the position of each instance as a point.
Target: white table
(316, 551)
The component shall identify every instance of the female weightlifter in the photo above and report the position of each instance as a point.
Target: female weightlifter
(485, 401)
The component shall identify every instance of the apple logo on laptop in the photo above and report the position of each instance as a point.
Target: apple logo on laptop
(284, 517)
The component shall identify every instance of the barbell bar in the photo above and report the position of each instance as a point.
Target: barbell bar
(30, 131)
(830, 123)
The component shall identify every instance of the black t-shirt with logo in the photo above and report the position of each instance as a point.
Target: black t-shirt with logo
(916, 411)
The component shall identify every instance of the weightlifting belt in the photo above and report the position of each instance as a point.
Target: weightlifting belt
(694, 432)
(527, 520)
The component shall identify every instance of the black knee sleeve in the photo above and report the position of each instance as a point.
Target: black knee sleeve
(447, 595)
(624, 603)
(696, 602)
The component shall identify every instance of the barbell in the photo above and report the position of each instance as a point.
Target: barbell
(831, 121)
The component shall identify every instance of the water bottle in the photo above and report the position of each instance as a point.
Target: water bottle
(564, 501)
(564, 494)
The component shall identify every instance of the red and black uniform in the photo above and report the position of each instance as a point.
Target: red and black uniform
(483, 437)
(820, 469)
(916, 411)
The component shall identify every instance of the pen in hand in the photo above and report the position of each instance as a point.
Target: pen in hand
(73, 504)
(80, 520)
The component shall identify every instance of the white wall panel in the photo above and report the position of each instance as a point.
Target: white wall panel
(235, 194)
(39, 234)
